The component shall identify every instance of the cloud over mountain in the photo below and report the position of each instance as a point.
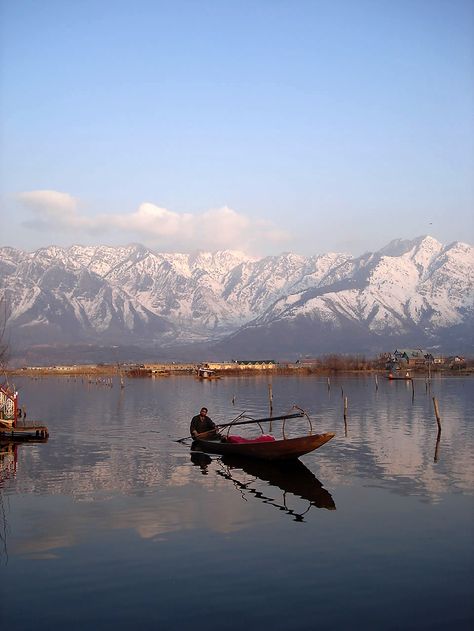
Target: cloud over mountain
(219, 228)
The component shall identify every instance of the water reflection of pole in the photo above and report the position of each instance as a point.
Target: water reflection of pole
(8, 465)
(345, 417)
(3, 529)
(436, 455)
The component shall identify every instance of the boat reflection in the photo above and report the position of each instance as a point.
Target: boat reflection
(8, 459)
(8, 468)
(9, 455)
(293, 478)
(200, 459)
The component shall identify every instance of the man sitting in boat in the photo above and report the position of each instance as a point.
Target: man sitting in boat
(202, 424)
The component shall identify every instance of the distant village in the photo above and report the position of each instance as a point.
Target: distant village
(412, 359)
(418, 358)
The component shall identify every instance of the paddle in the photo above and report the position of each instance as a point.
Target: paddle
(249, 422)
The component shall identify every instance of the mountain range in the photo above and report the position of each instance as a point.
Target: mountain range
(410, 293)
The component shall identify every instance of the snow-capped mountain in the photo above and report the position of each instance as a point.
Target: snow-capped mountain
(51, 298)
(419, 292)
(410, 292)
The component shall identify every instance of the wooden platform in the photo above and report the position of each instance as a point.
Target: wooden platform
(24, 432)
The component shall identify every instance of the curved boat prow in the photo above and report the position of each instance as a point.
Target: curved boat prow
(286, 449)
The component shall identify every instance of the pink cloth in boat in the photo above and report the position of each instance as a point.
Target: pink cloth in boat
(264, 438)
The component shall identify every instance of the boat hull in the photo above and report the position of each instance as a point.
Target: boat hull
(288, 449)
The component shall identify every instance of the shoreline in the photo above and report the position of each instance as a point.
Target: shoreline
(165, 370)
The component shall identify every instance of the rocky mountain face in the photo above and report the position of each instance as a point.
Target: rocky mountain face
(410, 292)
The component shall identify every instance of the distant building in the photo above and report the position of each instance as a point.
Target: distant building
(456, 361)
(255, 362)
(412, 357)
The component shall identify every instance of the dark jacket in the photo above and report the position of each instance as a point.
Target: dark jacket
(200, 425)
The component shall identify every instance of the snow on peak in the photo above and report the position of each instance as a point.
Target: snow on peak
(407, 284)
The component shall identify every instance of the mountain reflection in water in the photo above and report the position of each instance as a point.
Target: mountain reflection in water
(291, 477)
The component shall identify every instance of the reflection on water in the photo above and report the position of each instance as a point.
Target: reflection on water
(114, 439)
(113, 507)
(201, 460)
(8, 467)
(292, 478)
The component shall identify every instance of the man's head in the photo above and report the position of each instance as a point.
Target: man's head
(203, 412)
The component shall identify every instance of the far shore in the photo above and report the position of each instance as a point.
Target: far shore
(221, 370)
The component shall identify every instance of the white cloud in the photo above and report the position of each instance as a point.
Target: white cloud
(220, 228)
(53, 209)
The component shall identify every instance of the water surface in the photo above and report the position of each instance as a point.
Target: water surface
(114, 524)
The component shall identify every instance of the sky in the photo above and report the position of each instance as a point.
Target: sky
(263, 126)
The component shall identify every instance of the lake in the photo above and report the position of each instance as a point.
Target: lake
(112, 524)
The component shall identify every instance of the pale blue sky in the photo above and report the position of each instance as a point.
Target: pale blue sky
(265, 125)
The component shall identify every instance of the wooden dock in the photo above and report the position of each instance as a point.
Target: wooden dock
(24, 432)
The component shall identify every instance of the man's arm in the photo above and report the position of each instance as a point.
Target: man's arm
(192, 427)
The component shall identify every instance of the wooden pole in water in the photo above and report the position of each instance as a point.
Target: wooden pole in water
(270, 398)
(376, 382)
(438, 420)
(436, 410)
(329, 384)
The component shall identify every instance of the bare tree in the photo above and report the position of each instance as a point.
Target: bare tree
(4, 346)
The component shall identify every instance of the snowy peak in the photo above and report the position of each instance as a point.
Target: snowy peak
(426, 287)
(417, 288)
(399, 247)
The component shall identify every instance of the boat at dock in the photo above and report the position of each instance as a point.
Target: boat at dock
(11, 428)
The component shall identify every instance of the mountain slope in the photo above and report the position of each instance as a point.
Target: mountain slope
(413, 293)
(410, 292)
(51, 301)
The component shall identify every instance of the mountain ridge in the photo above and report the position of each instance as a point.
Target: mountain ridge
(419, 291)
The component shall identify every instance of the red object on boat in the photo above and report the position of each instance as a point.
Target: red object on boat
(264, 438)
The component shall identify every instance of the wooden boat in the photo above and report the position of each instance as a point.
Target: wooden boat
(206, 373)
(286, 449)
(392, 377)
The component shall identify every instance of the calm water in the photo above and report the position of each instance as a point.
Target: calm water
(112, 524)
